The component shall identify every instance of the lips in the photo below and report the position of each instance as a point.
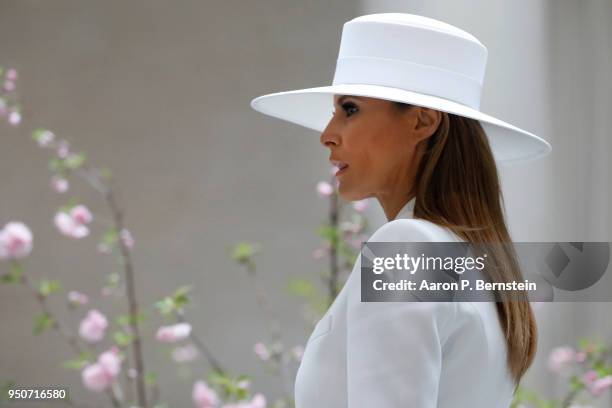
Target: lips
(340, 167)
(341, 171)
(339, 164)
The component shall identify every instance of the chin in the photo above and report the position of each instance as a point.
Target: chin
(348, 194)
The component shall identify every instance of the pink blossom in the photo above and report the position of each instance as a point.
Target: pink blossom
(244, 384)
(258, 401)
(103, 248)
(106, 291)
(95, 378)
(589, 377)
(111, 361)
(11, 74)
(360, 206)
(175, 332)
(185, 354)
(350, 227)
(560, 359)
(73, 223)
(14, 118)
(81, 214)
(77, 298)
(355, 242)
(101, 374)
(324, 189)
(93, 326)
(59, 184)
(580, 356)
(63, 149)
(15, 241)
(262, 351)
(298, 352)
(600, 385)
(46, 138)
(127, 238)
(69, 227)
(319, 253)
(204, 396)
(9, 86)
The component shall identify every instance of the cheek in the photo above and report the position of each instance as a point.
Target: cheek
(380, 154)
(374, 151)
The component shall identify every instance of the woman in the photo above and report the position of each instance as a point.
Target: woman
(406, 129)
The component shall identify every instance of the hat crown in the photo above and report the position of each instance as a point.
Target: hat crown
(413, 53)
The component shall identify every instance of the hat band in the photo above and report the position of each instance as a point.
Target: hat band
(409, 76)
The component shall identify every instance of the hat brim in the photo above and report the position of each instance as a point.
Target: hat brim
(312, 108)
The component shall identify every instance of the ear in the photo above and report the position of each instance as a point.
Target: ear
(427, 121)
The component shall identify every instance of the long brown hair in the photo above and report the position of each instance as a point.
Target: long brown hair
(457, 186)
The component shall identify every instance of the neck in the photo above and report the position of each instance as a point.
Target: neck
(393, 208)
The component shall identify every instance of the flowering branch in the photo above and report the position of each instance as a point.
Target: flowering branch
(17, 238)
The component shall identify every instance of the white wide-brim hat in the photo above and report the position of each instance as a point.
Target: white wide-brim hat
(411, 59)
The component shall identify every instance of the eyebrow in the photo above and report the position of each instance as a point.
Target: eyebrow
(343, 97)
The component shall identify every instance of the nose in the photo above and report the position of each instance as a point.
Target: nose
(329, 136)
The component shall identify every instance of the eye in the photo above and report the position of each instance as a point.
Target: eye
(348, 106)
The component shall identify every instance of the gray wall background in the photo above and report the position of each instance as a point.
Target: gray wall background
(159, 92)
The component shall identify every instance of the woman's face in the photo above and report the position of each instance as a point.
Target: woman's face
(377, 143)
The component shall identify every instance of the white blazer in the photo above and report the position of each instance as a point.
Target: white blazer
(404, 354)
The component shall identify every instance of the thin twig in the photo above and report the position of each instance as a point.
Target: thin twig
(117, 216)
(141, 395)
(333, 256)
(202, 347)
(62, 330)
(272, 323)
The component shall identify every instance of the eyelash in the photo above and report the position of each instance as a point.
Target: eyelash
(345, 107)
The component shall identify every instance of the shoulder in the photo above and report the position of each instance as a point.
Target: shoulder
(413, 230)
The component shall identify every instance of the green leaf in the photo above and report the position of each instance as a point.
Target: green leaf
(105, 173)
(151, 378)
(14, 274)
(56, 165)
(42, 322)
(10, 384)
(575, 383)
(37, 134)
(347, 252)
(110, 236)
(243, 252)
(301, 287)
(175, 302)
(79, 362)
(113, 279)
(74, 161)
(181, 297)
(126, 320)
(219, 378)
(46, 287)
(70, 205)
(328, 232)
(123, 339)
(165, 306)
